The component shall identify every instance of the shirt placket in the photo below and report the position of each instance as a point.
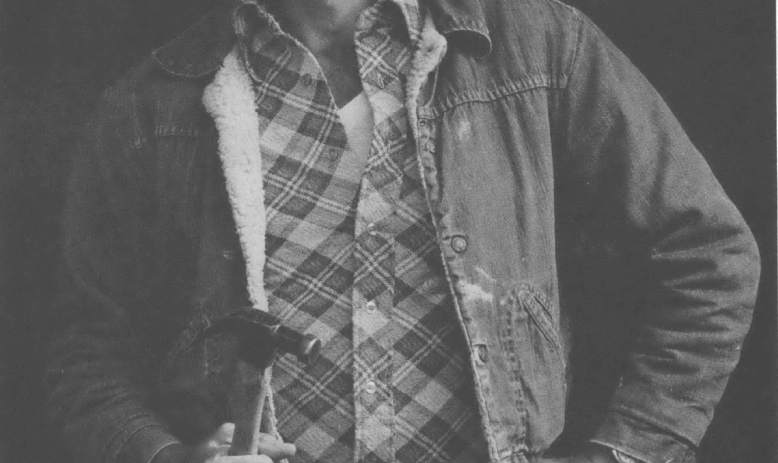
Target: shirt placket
(300, 127)
(375, 255)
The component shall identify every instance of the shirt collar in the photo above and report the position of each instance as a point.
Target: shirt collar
(414, 20)
(200, 50)
(248, 11)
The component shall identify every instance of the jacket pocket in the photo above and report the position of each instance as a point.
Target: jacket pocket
(530, 339)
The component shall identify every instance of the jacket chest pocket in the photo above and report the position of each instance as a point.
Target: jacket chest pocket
(537, 369)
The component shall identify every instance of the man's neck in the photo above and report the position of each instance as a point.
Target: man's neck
(326, 27)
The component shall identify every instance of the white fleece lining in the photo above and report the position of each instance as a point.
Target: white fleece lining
(229, 99)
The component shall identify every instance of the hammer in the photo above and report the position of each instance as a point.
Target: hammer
(259, 336)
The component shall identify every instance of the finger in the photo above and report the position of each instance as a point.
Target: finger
(215, 445)
(223, 450)
(223, 435)
(246, 459)
(274, 448)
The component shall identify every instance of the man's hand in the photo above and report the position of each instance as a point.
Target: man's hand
(214, 449)
(592, 454)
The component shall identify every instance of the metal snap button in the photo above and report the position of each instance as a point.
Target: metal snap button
(459, 244)
(371, 307)
(371, 387)
(483, 353)
(371, 229)
(307, 80)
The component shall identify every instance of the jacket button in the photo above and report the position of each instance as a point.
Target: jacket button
(307, 80)
(431, 147)
(483, 353)
(459, 244)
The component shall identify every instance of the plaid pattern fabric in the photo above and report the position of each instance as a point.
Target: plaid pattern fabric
(311, 187)
(352, 257)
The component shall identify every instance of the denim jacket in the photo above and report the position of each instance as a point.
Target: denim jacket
(553, 170)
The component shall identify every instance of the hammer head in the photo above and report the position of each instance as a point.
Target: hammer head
(261, 334)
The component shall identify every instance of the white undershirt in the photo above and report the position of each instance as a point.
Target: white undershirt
(357, 118)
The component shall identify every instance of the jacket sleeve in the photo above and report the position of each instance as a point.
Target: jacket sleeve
(101, 357)
(634, 165)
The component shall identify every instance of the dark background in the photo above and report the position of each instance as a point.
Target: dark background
(712, 60)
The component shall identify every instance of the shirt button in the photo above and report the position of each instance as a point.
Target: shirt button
(370, 387)
(256, 44)
(459, 244)
(431, 147)
(331, 154)
(371, 229)
(267, 105)
(371, 307)
(307, 80)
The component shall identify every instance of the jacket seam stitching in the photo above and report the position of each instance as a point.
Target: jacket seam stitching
(636, 415)
(437, 112)
(126, 428)
(172, 132)
(129, 145)
(577, 50)
(564, 5)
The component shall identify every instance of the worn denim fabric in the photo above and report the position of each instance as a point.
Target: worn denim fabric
(542, 146)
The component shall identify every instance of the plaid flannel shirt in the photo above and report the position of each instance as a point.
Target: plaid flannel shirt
(352, 256)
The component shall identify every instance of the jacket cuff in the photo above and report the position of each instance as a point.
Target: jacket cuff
(139, 441)
(641, 440)
(173, 453)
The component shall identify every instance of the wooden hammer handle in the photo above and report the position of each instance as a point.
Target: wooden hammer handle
(253, 386)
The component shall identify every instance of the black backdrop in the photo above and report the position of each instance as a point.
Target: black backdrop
(712, 60)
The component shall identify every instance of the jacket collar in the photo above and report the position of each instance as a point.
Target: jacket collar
(200, 50)
(464, 24)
